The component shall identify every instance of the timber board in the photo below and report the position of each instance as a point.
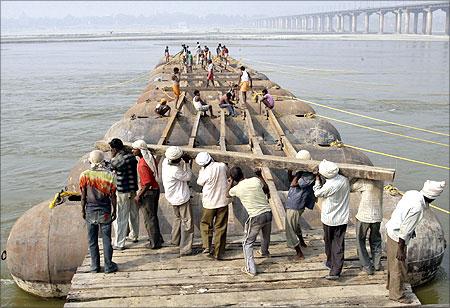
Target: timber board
(161, 278)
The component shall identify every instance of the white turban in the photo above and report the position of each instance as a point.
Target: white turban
(203, 158)
(173, 153)
(303, 154)
(432, 189)
(96, 158)
(148, 157)
(328, 169)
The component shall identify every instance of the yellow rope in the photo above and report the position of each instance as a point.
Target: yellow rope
(398, 157)
(383, 131)
(393, 191)
(370, 118)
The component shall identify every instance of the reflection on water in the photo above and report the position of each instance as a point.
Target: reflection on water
(59, 98)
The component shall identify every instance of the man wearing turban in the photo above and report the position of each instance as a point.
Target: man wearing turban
(401, 228)
(334, 215)
(213, 177)
(176, 174)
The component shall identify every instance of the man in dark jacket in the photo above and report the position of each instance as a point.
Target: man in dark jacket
(124, 165)
(300, 195)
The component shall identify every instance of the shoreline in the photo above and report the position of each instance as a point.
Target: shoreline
(244, 35)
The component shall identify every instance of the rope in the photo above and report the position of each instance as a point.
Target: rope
(393, 191)
(384, 131)
(370, 118)
(117, 84)
(398, 157)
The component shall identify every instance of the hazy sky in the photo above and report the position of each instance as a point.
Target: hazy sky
(59, 9)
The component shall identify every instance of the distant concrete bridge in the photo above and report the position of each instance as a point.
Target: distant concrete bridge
(333, 21)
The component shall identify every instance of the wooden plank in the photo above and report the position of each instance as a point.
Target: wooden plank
(271, 161)
(194, 129)
(171, 122)
(211, 88)
(279, 215)
(287, 146)
(352, 295)
(222, 140)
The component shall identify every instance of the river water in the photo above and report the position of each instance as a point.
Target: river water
(57, 99)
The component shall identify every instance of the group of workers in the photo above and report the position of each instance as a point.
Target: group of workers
(113, 192)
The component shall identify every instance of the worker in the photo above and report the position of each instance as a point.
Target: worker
(368, 219)
(189, 62)
(334, 215)
(176, 174)
(400, 230)
(210, 75)
(98, 206)
(225, 55)
(148, 195)
(267, 99)
(162, 108)
(226, 102)
(253, 194)
(123, 164)
(200, 105)
(300, 196)
(218, 50)
(166, 54)
(198, 54)
(213, 177)
(176, 84)
(245, 82)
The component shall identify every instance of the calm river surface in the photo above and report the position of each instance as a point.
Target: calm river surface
(57, 99)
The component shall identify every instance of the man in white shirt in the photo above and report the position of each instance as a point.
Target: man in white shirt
(245, 82)
(368, 218)
(176, 174)
(213, 177)
(200, 105)
(253, 194)
(401, 228)
(334, 215)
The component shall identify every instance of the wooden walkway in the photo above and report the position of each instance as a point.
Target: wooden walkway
(160, 278)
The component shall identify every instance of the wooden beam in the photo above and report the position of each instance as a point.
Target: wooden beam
(211, 88)
(171, 122)
(222, 140)
(194, 129)
(286, 144)
(271, 161)
(278, 212)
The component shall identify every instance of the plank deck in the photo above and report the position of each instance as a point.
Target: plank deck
(148, 278)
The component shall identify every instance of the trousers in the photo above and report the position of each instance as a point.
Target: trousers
(214, 221)
(397, 271)
(127, 214)
(293, 227)
(374, 241)
(183, 228)
(260, 223)
(334, 238)
(150, 210)
(93, 220)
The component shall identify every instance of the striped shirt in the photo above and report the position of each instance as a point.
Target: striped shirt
(99, 186)
(335, 205)
(370, 208)
(124, 166)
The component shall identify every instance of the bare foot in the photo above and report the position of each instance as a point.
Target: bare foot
(303, 244)
(297, 258)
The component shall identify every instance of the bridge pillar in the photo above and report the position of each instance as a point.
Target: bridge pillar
(407, 15)
(322, 23)
(381, 22)
(398, 21)
(424, 22)
(429, 29)
(339, 23)
(415, 21)
(328, 20)
(354, 19)
(447, 22)
(312, 27)
(296, 23)
(366, 23)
